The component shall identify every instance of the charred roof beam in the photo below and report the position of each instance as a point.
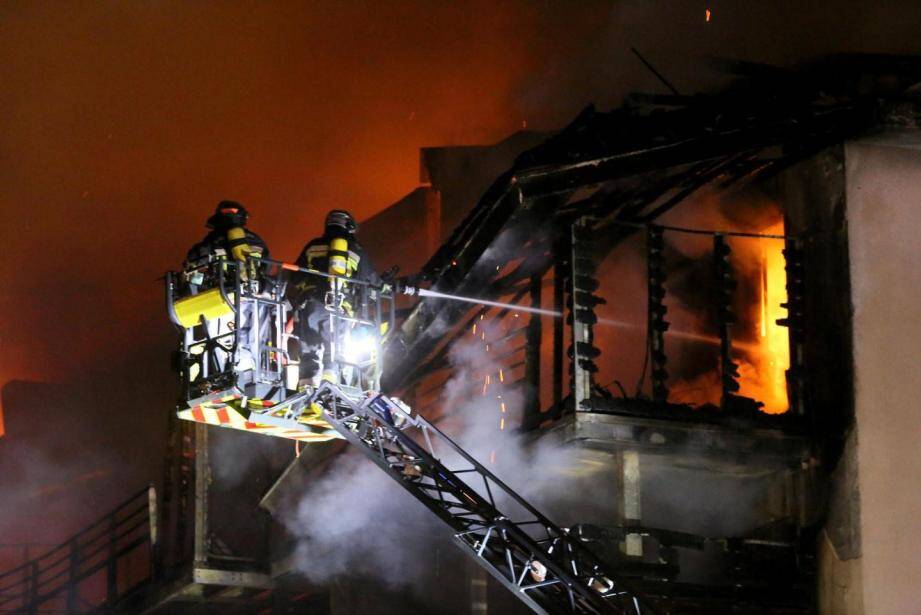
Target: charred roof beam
(582, 155)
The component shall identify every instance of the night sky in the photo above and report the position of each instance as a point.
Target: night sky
(125, 122)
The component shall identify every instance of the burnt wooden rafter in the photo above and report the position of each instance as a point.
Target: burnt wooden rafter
(657, 160)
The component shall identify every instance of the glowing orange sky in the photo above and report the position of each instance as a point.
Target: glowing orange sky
(125, 123)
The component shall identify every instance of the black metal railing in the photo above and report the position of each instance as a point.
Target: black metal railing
(94, 560)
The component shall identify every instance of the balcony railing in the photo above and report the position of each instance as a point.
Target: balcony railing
(91, 569)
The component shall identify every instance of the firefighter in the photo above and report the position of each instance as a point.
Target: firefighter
(336, 252)
(228, 235)
(229, 239)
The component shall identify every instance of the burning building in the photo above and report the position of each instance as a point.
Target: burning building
(693, 361)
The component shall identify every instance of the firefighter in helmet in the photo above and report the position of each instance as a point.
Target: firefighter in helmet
(228, 235)
(336, 252)
(229, 239)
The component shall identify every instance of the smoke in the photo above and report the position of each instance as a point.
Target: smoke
(703, 502)
(47, 472)
(238, 457)
(354, 519)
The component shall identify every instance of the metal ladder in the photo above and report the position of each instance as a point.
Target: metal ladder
(542, 564)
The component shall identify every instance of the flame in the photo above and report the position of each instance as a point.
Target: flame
(707, 15)
(763, 373)
(762, 330)
(763, 362)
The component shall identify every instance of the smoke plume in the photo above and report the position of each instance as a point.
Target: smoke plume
(355, 519)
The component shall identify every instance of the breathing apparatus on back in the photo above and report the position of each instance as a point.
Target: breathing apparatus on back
(340, 228)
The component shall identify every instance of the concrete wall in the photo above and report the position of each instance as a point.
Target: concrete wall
(409, 232)
(884, 228)
(461, 174)
(840, 590)
(405, 234)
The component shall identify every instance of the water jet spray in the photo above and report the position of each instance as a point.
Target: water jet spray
(423, 292)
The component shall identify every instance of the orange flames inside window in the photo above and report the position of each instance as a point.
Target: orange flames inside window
(763, 365)
(763, 355)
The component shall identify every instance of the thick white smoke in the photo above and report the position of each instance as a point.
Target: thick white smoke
(356, 520)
